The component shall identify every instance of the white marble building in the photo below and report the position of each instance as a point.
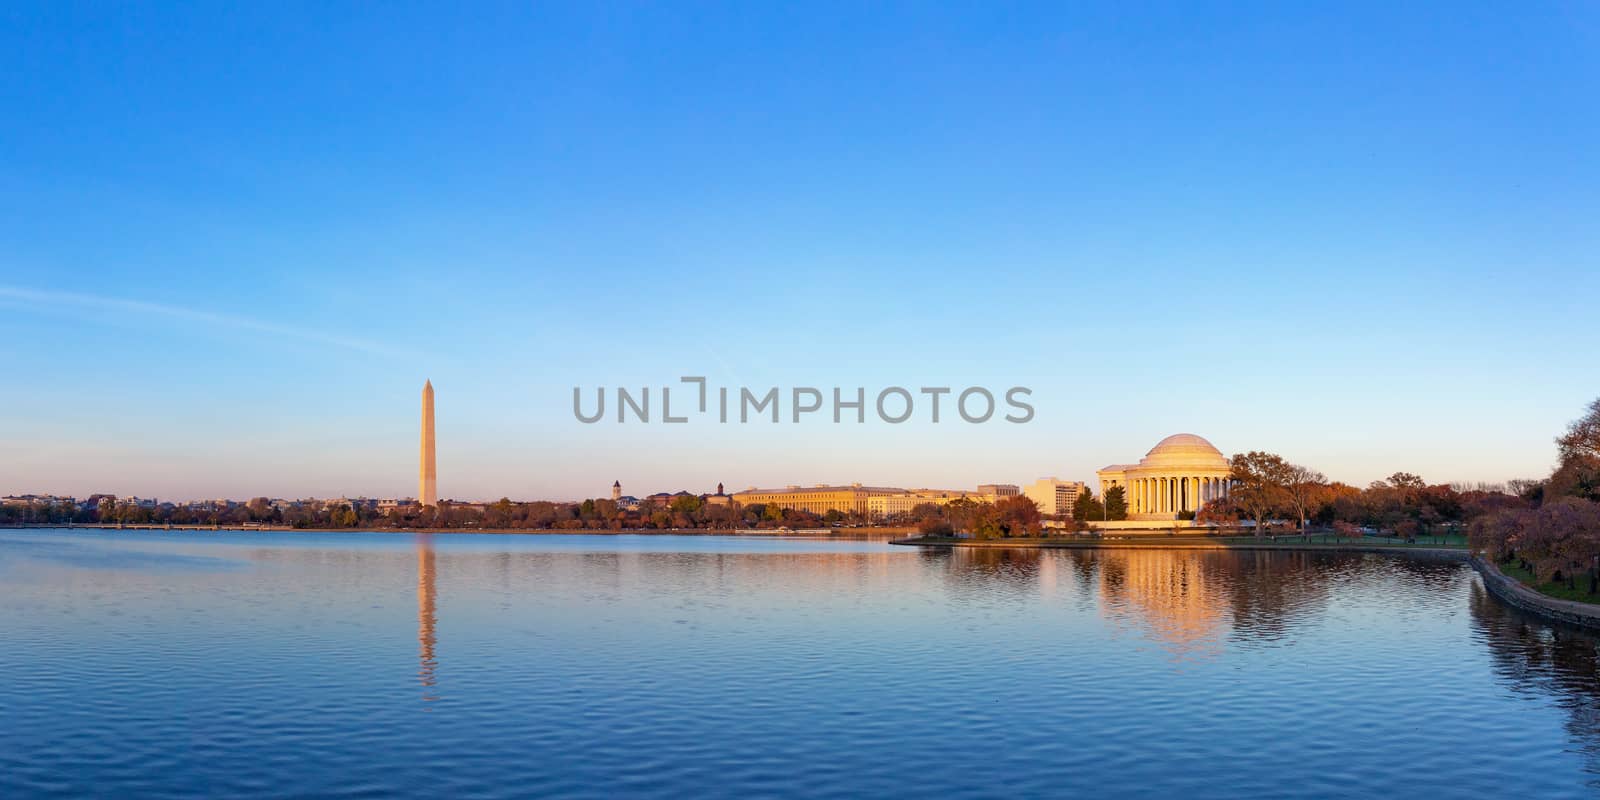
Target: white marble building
(1181, 473)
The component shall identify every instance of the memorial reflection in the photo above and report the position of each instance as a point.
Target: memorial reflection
(1194, 602)
(1169, 594)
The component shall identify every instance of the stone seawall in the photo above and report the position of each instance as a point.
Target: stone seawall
(1514, 593)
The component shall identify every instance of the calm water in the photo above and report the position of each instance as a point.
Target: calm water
(165, 665)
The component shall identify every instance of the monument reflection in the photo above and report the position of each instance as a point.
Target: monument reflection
(427, 616)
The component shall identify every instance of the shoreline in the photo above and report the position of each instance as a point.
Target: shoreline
(859, 533)
(1519, 595)
(1169, 543)
(1501, 586)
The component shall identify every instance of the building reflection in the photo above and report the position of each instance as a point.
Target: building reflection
(427, 616)
(1171, 595)
(1194, 602)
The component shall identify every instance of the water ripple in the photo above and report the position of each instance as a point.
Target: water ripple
(495, 667)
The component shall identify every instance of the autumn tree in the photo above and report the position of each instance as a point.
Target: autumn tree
(1560, 539)
(1302, 488)
(1495, 534)
(498, 515)
(1220, 512)
(1406, 481)
(1529, 489)
(1259, 484)
(684, 504)
(1577, 475)
(1582, 439)
(1018, 516)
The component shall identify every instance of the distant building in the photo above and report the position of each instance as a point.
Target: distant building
(893, 506)
(355, 503)
(664, 499)
(999, 491)
(721, 498)
(1054, 496)
(819, 499)
(616, 491)
(40, 499)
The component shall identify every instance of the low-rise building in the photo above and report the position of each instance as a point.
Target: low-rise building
(891, 507)
(721, 498)
(36, 499)
(1055, 497)
(999, 491)
(819, 499)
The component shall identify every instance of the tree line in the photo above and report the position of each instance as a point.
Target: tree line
(1556, 535)
(683, 511)
(1272, 494)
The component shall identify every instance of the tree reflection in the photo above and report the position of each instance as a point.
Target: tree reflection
(991, 574)
(1532, 655)
(1194, 601)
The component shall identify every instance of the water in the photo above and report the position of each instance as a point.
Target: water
(289, 665)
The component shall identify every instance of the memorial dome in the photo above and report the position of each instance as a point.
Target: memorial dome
(1186, 448)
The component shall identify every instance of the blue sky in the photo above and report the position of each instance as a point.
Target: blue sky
(234, 241)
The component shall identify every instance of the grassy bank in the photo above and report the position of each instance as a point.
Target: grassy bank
(1555, 589)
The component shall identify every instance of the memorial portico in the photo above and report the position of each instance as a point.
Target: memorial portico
(1181, 473)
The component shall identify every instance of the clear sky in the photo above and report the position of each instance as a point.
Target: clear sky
(235, 240)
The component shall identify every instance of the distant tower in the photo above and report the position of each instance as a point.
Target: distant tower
(616, 490)
(719, 487)
(427, 471)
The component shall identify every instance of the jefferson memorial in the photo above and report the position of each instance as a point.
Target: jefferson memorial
(1181, 473)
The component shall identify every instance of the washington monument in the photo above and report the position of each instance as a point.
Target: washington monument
(427, 472)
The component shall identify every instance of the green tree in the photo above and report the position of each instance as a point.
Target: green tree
(1086, 508)
(1116, 503)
